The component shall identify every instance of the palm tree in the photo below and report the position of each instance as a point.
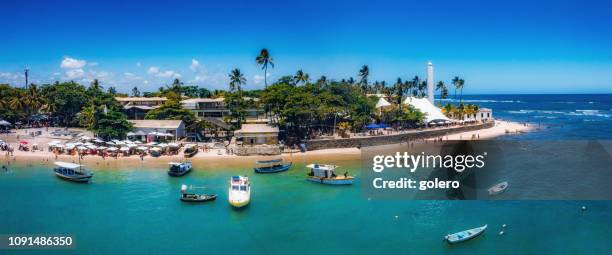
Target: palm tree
(236, 80)
(461, 83)
(300, 76)
(135, 92)
(264, 60)
(442, 88)
(399, 91)
(455, 83)
(351, 80)
(17, 103)
(364, 73)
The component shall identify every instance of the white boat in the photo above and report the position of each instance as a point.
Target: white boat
(498, 188)
(464, 235)
(239, 191)
(179, 169)
(326, 174)
(72, 172)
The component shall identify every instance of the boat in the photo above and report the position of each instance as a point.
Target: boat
(190, 150)
(155, 152)
(72, 172)
(179, 169)
(272, 166)
(325, 174)
(464, 235)
(188, 195)
(498, 188)
(239, 191)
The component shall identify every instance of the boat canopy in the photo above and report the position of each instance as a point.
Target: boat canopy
(270, 161)
(175, 163)
(67, 165)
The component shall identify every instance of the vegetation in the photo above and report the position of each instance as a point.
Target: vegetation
(264, 59)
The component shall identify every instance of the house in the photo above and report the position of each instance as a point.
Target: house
(159, 128)
(483, 115)
(257, 134)
(137, 107)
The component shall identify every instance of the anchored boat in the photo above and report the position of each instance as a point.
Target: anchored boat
(272, 166)
(190, 150)
(189, 195)
(464, 235)
(179, 169)
(498, 188)
(72, 172)
(326, 174)
(239, 191)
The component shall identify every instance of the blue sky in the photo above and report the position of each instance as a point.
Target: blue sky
(496, 46)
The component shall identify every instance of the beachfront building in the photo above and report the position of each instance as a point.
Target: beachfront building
(215, 108)
(257, 134)
(136, 107)
(153, 129)
(483, 115)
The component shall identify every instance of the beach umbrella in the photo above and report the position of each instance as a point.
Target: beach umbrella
(4, 123)
(131, 134)
(81, 148)
(124, 149)
(131, 145)
(98, 140)
(85, 138)
(102, 148)
(142, 148)
(111, 149)
(23, 142)
(92, 147)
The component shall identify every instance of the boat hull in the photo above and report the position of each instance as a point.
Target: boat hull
(205, 198)
(465, 235)
(331, 181)
(74, 178)
(264, 170)
(177, 174)
(239, 204)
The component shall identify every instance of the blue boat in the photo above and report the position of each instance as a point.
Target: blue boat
(72, 172)
(179, 169)
(272, 166)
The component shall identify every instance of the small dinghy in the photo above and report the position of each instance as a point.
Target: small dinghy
(272, 166)
(188, 195)
(179, 169)
(464, 235)
(498, 188)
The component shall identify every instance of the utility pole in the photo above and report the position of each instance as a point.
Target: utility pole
(26, 77)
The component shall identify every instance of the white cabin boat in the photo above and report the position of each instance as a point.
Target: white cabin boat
(179, 169)
(239, 191)
(326, 174)
(464, 235)
(72, 172)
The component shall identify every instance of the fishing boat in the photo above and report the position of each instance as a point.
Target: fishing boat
(179, 169)
(464, 235)
(72, 172)
(239, 191)
(498, 188)
(189, 195)
(190, 150)
(326, 174)
(272, 166)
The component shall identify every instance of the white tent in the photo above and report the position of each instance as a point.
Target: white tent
(382, 103)
(432, 113)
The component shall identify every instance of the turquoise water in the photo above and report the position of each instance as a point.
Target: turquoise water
(137, 211)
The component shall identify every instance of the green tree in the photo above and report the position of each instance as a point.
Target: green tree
(172, 109)
(302, 77)
(264, 59)
(236, 80)
(364, 73)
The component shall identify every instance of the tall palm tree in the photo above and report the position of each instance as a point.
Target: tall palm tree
(461, 83)
(17, 103)
(265, 60)
(364, 73)
(236, 80)
(456, 85)
(442, 88)
(302, 77)
(399, 91)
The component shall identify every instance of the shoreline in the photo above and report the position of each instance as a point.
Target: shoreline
(212, 160)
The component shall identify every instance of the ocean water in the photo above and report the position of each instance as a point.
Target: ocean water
(137, 211)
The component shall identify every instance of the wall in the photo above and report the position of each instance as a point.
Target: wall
(390, 139)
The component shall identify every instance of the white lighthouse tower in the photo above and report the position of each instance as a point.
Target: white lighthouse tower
(430, 82)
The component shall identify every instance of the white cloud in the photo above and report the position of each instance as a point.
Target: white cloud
(74, 74)
(153, 70)
(138, 64)
(71, 63)
(92, 64)
(145, 82)
(168, 73)
(257, 79)
(194, 64)
(128, 74)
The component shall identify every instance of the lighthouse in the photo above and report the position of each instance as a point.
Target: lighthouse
(430, 82)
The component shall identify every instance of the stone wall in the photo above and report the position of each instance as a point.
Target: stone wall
(248, 150)
(320, 144)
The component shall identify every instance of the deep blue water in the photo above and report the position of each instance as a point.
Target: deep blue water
(562, 117)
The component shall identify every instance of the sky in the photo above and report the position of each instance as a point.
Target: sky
(495, 46)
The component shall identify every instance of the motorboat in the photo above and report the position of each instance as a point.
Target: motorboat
(179, 169)
(272, 166)
(239, 191)
(464, 235)
(72, 172)
(188, 194)
(190, 150)
(498, 188)
(326, 174)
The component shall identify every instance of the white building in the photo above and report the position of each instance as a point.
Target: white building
(430, 82)
(174, 127)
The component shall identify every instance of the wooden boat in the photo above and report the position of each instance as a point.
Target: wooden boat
(72, 172)
(272, 166)
(239, 191)
(179, 169)
(325, 174)
(498, 188)
(190, 150)
(464, 235)
(187, 195)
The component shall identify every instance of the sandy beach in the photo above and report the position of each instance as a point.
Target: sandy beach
(211, 158)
